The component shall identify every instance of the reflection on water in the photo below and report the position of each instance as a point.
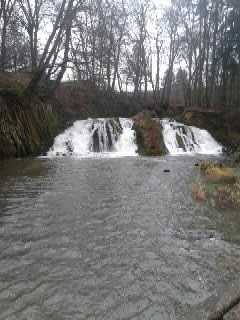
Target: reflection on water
(109, 239)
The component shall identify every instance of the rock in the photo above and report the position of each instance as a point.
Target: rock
(95, 137)
(69, 146)
(27, 126)
(223, 126)
(148, 135)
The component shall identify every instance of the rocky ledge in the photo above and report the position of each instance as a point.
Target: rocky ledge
(27, 126)
(149, 135)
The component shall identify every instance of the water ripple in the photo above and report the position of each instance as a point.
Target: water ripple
(109, 239)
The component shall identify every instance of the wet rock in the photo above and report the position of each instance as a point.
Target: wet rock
(224, 127)
(69, 146)
(95, 137)
(180, 140)
(149, 135)
(27, 126)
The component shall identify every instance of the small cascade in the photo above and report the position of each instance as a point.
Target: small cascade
(92, 137)
(182, 139)
(116, 138)
(126, 144)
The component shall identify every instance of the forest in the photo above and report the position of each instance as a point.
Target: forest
(120, 159)
(186, 53)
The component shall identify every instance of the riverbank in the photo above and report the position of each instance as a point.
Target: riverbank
(218, 184)
(27, 127)
(28, 124)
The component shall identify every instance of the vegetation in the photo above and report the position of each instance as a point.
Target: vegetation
(122, 45)
(115, 51)
(149, 135)
(218, 184)
(27, 127)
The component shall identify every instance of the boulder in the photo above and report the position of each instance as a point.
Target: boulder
(149, 135)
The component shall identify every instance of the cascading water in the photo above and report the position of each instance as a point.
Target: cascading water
(182, 139)
(92, 137)
(115, 137)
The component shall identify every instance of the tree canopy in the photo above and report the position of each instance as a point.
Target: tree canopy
(187, 53)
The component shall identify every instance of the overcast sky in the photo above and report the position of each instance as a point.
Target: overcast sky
(164, 2)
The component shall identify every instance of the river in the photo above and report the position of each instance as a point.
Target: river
(114, 238)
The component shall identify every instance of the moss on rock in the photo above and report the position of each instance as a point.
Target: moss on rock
(148, 135)
(27, 126)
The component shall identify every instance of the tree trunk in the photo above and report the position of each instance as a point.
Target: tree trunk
(3, 47)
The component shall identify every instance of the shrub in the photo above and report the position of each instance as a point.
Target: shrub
(197, 190)
(218, 172)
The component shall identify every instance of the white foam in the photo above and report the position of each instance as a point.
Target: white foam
(126, 145)
(113, 138)
(116, 138)
(182, 139)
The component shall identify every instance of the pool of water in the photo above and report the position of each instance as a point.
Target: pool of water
(109, 239)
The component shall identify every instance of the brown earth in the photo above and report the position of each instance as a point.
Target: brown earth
(8, 78)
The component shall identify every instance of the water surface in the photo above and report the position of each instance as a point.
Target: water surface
(109, 239)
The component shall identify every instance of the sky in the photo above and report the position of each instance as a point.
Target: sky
(163, 67)
(163, 2)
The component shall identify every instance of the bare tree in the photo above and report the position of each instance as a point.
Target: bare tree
(31, 18)
(172, 19)
(61, 33)
(6, 11)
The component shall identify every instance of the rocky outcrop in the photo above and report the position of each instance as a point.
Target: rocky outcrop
(148, 135)
(27, 126)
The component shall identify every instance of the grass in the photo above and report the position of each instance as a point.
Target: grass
(218, 183)
(210, 188)
(218, 172)
(197, 190)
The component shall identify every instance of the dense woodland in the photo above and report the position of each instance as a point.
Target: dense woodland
(187, 53)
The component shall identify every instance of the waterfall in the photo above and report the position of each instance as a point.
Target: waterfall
(94, 137)
(182, 139)
(116, 138)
